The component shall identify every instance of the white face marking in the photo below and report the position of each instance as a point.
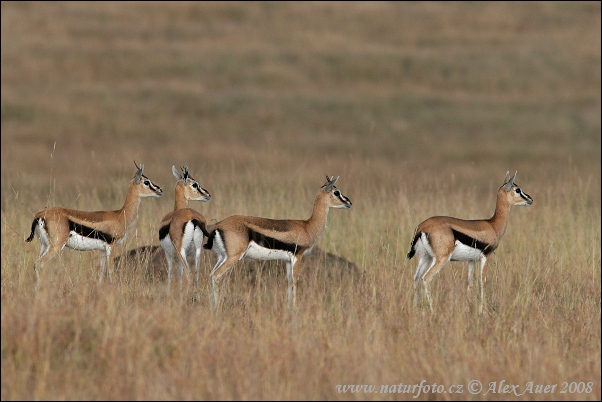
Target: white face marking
(463, 252)
(256, 252)
(82, 243)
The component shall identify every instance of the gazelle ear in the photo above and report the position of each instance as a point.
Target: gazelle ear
(175, 172)
(184, 174)
(330, 183)
(138, 173)
(510, 182)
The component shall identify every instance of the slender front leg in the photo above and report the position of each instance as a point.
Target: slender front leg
(483, 280)
(104, 261)
(471, 265)
(292, 276)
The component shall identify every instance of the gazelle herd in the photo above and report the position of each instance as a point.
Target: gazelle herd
(183, 232)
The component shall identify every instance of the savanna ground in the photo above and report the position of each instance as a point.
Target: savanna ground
(421, 108)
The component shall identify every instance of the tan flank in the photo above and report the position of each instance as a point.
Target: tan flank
(440, 239)
(57, 227)
(250, 237)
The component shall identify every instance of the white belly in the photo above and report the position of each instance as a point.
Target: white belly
(256, 252)
(82, 243)
(463, 252)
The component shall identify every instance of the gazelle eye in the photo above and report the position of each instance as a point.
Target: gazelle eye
(146, 183)
(517, 190)
(337, 193)
(195, 185)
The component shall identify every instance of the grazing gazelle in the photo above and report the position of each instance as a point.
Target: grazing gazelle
(440, 239)
(269, 239)
(182, 230)
(83, 230)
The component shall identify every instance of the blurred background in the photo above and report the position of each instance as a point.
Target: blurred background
(420, 107)
(294, 91)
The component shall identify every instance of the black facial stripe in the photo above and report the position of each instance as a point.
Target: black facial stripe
(273, 244)
(90, 233)
(469, 241)
(163, 231)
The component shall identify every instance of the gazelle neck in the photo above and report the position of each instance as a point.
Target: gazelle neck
(129, 212)
(181, 201)
(500, 218)
(316, 224)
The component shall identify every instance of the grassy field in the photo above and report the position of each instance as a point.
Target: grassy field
(420, 107)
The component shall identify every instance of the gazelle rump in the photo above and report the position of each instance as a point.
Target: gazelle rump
(181, 231)
(238, 237)
(57, 227)
(441, 239)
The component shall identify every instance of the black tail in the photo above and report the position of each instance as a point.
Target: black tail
(201, 224)
(210, 237)
(33, 229)
(412, 246)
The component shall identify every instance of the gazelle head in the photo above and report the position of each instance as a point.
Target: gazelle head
(192, 189)
(514, 194)
(335, 198)
(147, 187)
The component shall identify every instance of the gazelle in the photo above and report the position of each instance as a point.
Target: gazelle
(57, 227)
(182, 230)
(440, 239)
(272, 239)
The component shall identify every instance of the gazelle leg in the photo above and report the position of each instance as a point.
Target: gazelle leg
(198, 246)
(168, 250)
(182, 264)
(471, 265)
(46, 254)
(423, 264)
(106, 263)
(49, 248)
(292, 277)
(483, 280)
(436, 265)
(105, 259)
(222, 266)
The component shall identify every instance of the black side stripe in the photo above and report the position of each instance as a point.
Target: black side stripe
(90, 233)
(471, 242)
(271, 243)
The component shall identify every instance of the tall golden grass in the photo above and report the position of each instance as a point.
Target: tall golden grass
(421, 108)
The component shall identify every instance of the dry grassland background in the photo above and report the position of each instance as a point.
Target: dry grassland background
(420, 107)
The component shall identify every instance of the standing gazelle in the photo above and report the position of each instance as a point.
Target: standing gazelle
(440, 239)
(269, 239)
(83, 230)
(182, 230)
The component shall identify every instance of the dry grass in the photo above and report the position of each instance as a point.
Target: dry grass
(419, 107)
